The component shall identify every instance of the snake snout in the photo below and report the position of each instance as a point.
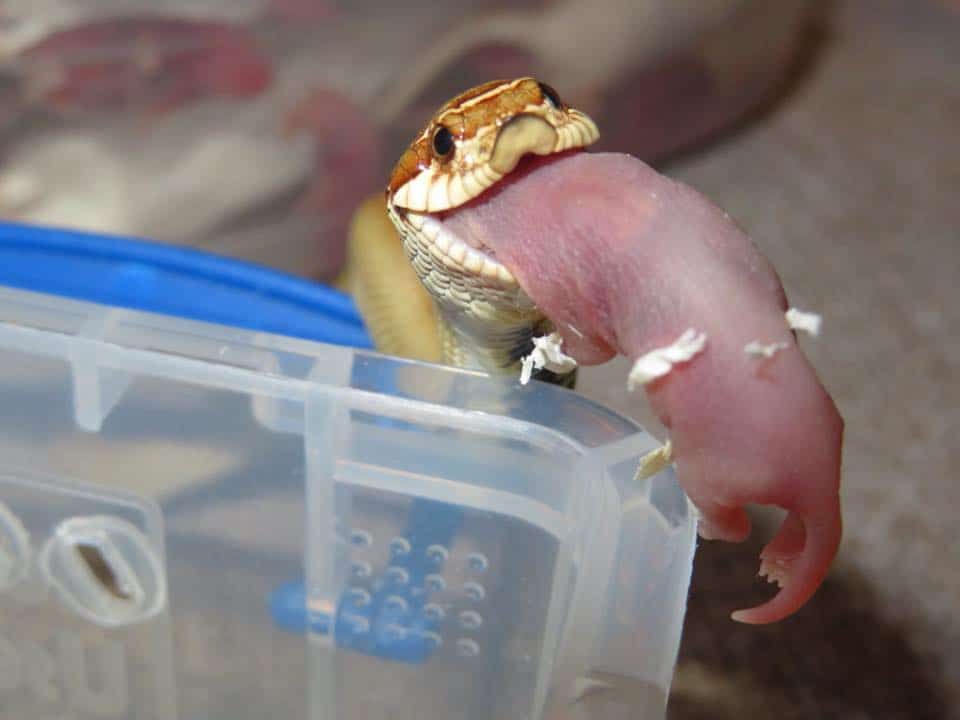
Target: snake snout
(521, 135)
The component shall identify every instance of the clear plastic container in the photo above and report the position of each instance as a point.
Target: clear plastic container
(254, 128)
(204, 522)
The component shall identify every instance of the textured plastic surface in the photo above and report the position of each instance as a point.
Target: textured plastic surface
(205, 522)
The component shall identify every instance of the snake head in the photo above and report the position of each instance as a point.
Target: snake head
(473, 142)
(478, 137)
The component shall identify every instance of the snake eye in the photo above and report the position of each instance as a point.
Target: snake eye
(442, 142)
(551, 95)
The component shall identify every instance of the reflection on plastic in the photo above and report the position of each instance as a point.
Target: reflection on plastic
(14, 550)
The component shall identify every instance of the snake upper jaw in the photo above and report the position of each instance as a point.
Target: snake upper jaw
(477, 138)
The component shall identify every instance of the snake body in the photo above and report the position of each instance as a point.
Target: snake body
(483, 319)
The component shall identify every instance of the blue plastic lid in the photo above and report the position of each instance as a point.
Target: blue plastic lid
(176, 281)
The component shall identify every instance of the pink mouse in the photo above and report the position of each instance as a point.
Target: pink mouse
(624, 261)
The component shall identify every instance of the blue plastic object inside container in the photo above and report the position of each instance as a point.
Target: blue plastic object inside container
(190, 284)
(382, 627)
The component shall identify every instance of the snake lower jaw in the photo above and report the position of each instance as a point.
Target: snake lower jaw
(459, 255)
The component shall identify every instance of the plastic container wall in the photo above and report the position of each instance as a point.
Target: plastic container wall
(200, 522)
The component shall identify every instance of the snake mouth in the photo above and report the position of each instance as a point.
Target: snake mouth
(459, 237)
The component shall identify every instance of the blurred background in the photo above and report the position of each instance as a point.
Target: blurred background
(827, 128)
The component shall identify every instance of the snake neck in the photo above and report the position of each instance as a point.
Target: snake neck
(484, 322)
(494, 348)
